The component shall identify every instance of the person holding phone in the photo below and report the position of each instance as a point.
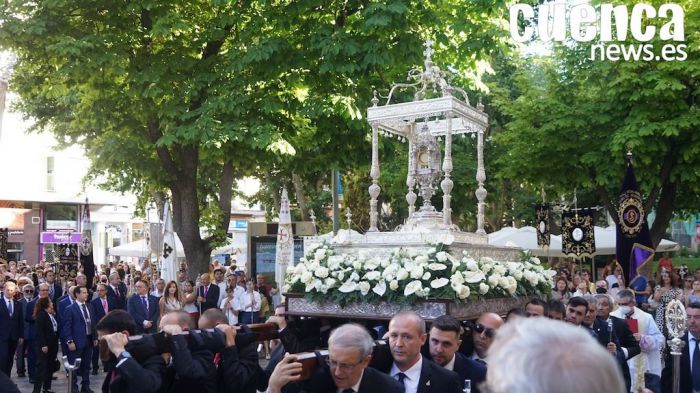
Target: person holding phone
(251, 305)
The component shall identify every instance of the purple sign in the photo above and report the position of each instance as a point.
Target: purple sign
(60, 237)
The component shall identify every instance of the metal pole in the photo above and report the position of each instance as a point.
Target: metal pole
(676, 319)
(336, 210)
(70, 369)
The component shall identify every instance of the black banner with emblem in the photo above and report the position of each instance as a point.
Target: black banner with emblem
(635, 251)
(4, 233)
(577, 233)
(542, 224)
(66, 253)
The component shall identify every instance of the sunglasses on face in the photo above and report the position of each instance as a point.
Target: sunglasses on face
(28, 291)
(488, 332)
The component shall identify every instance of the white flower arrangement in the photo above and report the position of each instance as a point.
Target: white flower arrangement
(409, 275)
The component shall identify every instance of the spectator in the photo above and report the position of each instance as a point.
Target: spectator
(484, 332)
(189, 300)
(665, 263)
(230, 306)
(444, 341)
(536, 308)
(666, 291)
(143, 308)
(46, 341)
(207, 294)
(557, 310)
(250, 302)
(159, 290)
(561, 290)
(171, 299)
(11, 326)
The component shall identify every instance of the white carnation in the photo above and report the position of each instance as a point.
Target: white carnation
(500, 270)
(307, 278)
(393, 285)
(493, 280)
(319, 254)
(322, 272)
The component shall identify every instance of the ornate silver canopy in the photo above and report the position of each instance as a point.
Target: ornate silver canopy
(421, 120)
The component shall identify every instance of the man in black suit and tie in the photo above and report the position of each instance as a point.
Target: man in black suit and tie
(102, 305)
(407, 335)
(117, 290)
(346, 369)
(144, 309)
(80, 336)
(207, 294)
(619, 341)
(55, 290)
(444, 343)
(689, 379)
(11, 326)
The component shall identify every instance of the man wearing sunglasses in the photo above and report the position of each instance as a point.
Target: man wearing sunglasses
(27, 347)
(483, 333)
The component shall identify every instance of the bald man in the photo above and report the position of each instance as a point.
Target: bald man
(483, 333)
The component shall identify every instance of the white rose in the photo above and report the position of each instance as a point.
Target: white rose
(518, 276)
(402, 274)
(380, 288)
(473, 277)
(503, 282)
(307, 278)
(322, 272)
(364, 287)
(393, 285)
(483, 288)
(417, 272)
(319, 254)
(493, 280)
(457, 278)
(412, 287)
(463, 292)
(500, 270)
(441, 256)
(300, 268)
(439, 283)
(330, 282)
(437, 266)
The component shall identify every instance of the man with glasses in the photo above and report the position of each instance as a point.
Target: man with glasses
(690, 356)
(27, 347)
(483, 333)
(647, 334)
(346, 369)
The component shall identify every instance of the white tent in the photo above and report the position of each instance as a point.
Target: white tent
(526, 238)
(139, 249)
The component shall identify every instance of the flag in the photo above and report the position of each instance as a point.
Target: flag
(542, 214)
(577, 234)
(284, 253)
(3, 243)
(85, 249)
(168, 258)
(634, 248)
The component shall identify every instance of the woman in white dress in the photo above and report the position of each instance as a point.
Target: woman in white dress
(189, 304)
(230, 306)
(171, 300)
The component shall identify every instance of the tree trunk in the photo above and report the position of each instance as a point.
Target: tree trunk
(301, 198)
(664, 212)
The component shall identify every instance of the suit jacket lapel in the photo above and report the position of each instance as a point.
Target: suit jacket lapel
(424, 381)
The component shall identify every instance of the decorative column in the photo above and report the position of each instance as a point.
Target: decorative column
(411, 196)
(374, 174)
(447, 183)
(480, 178)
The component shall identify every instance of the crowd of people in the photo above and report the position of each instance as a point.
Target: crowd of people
(600, 336)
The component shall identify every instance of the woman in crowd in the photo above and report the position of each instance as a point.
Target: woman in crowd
(46, 343)
(561, 291)
(666, 290)
(694, 295)
(189, 298)
(229, 305)
(687, 287)
(612, 272)
(250, 304)
(171, 300)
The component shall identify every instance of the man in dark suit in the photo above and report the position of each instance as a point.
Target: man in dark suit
(619, 341)
(689, 379)
(80, 335)
(418, 375)
(444, 340)
(346, 369)
(144, 309)
(11, 326)
(102, 304)
(117, 290)
(55, 290)
(25, 362)
(127, 375)
(207, 294)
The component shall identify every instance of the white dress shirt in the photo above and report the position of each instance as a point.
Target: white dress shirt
(246, 298)
(410, 383)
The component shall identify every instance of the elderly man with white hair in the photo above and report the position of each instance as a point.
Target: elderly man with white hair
(539, 355)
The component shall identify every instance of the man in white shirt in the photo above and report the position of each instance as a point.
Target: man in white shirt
(650, 339)
(407, 334)
(159, 291)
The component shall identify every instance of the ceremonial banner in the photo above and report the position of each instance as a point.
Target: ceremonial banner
(168, 261)
(67, 253)
(635, 251)
(542, 219)
(3, 243)
(86, 256)
(577, 235)
(284, 253)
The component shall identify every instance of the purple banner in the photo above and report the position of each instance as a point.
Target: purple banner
(60, 237)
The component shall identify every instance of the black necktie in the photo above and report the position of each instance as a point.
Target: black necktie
(696, 365)
(348, 390)
(401, 377)
(86, 315)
